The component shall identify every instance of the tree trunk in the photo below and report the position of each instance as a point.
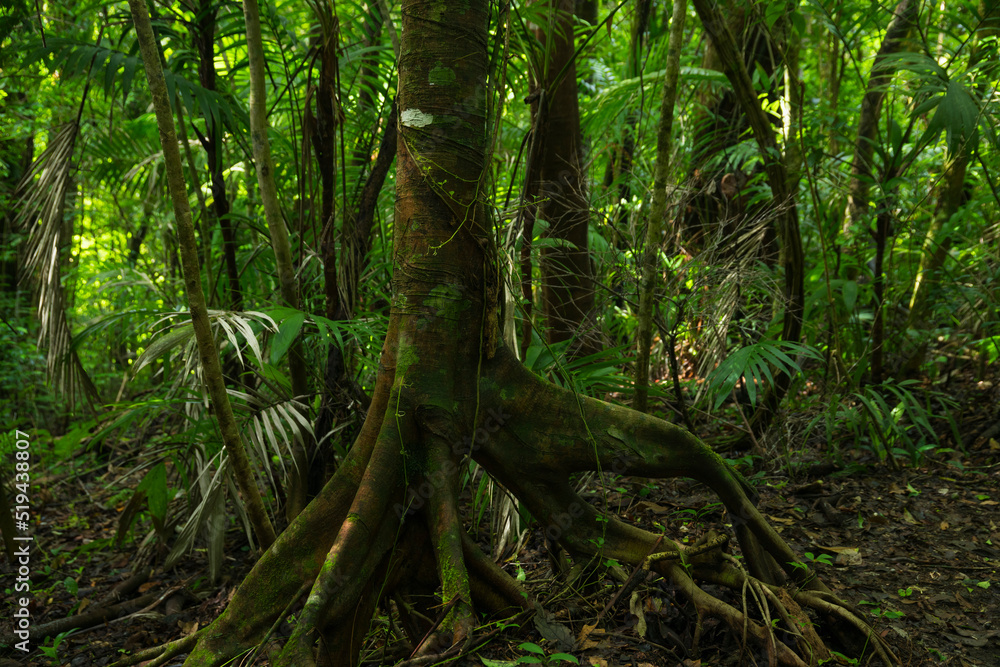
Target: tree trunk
(783, 200)
(204, 38)
(567, 275)
(298, 474)
(192, 279)
(658, 210)
(714, 213)
(447, 388)
(936, 244)
(340, 391)
(620, 165)
(871, 106)
(18, 156)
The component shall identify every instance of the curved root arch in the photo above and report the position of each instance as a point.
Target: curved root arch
(353, 547)
(549, 433)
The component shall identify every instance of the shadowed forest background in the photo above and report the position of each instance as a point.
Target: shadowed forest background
(492, 333)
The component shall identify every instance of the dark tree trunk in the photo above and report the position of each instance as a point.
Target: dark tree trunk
(567, 274)
(204, 37)
(715, 214)
(341, 394)
(783, 200)
(883, 70)
(389, 522)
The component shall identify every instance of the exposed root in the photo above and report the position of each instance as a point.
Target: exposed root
(366, 530)
(493, 590)
(160, 655)
(556, 432)
(738, 622)
(445, 521)
(839, 611)
(355, 543)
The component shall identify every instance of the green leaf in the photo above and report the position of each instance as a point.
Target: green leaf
(287, 332)
(957, 115)
(155, 486)
(773, 12)
(850, 295)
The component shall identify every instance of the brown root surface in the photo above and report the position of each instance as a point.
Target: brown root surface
(357, 543)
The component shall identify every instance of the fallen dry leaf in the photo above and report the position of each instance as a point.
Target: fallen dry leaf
(590, 637)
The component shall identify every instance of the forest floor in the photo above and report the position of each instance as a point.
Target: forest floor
(916, 550)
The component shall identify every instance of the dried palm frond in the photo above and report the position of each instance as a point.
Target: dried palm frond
(40, 200)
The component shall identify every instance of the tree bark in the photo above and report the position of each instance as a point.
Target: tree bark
(871, 105)
(567, 274)
(192, 279)
(658, 209)
(297, 484)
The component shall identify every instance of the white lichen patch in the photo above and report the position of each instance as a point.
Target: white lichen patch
(416, 118)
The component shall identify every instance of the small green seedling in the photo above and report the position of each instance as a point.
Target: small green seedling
(537, 656)
(877, 612)
(822, 558)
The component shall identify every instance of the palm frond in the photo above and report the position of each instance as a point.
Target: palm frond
(40, 201)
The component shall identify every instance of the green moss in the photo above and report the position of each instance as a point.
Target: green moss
(446, 301)
(454, 579)
(406, 356)
(441, 76)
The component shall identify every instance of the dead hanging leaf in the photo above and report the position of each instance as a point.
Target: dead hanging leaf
(635, 605)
